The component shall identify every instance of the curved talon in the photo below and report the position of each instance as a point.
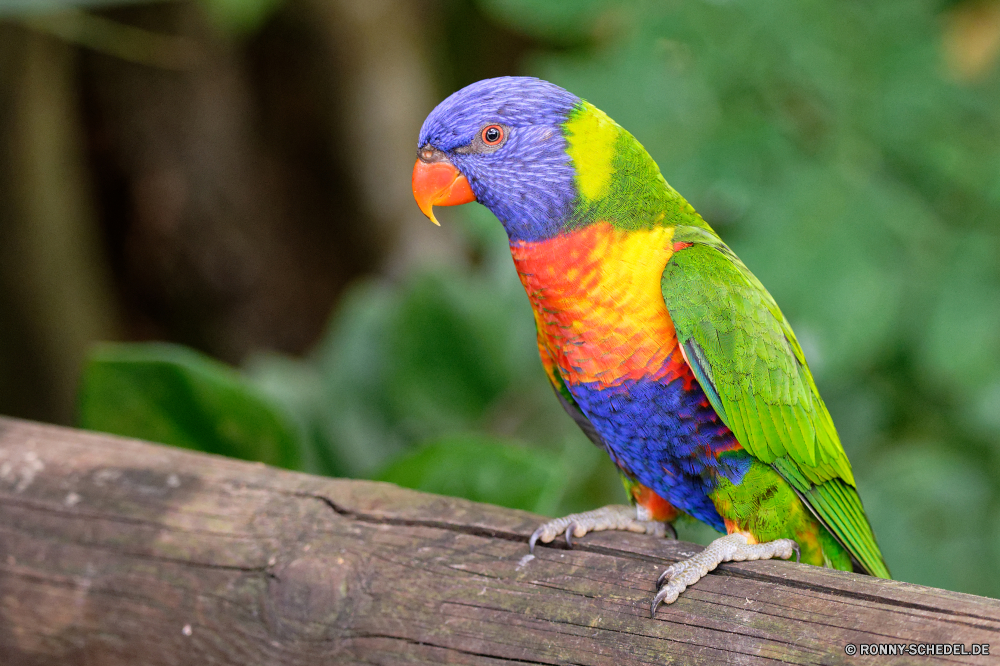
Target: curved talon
(569, 534)
(664, 577)
(657, 600)
(669, 527)
(798, 553)
(533, 540)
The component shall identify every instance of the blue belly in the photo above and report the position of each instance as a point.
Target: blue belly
(667, 437)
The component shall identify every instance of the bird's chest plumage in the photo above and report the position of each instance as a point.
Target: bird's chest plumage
(605, 332)
(597, 302)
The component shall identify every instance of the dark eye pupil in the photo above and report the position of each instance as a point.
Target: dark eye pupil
(492, 134)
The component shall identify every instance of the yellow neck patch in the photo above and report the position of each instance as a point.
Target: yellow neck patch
(592, 137)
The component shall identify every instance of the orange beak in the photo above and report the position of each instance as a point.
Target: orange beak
(439, 184)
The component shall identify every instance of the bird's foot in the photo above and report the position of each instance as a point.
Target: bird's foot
(734, 547)
(611, 517)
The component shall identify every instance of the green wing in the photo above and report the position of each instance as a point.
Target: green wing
(750, 365)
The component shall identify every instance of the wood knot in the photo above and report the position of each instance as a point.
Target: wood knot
(308, 595)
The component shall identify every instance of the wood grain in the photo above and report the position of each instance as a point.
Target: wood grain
(114, 551)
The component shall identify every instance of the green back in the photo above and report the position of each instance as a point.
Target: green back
(748, 362)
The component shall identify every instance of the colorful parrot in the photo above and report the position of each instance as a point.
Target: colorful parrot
(658, 341)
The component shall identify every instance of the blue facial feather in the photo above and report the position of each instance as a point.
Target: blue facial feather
(528, 183)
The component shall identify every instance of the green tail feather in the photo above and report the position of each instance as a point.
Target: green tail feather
(838, 506)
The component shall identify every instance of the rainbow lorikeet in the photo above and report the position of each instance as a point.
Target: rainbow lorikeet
(658, 341)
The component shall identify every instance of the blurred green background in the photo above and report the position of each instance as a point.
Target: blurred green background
(217, 191)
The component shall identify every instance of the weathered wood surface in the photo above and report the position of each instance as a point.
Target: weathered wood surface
(114, 551)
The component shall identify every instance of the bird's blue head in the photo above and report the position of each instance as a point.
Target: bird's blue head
(501, 142)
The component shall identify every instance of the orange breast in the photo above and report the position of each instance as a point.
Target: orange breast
(598, 304)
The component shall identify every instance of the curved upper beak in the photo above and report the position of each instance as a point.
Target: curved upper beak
(439, 183)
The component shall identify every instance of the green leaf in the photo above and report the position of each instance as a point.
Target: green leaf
(297, 388)
(29, 7)
(174, 395)
(241, 17)
(482, 469)
(555, 20)
(446, 368)
(235, 17)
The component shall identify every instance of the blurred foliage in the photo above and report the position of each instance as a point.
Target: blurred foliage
(848, 152)
(175, 395)
(236, 17)
(481, 469)
(28, 7)
(240, 17)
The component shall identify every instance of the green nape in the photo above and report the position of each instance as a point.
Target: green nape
(766, 506)
(617, 179)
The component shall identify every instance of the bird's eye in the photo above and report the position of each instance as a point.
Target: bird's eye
(492, 135)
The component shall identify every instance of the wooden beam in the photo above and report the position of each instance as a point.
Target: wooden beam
(114, 551)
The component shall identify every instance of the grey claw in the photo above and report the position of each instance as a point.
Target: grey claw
(798, 553)
(657, 600)
(670, 529)
(569, 534)
(664, 577)
(533, 540)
